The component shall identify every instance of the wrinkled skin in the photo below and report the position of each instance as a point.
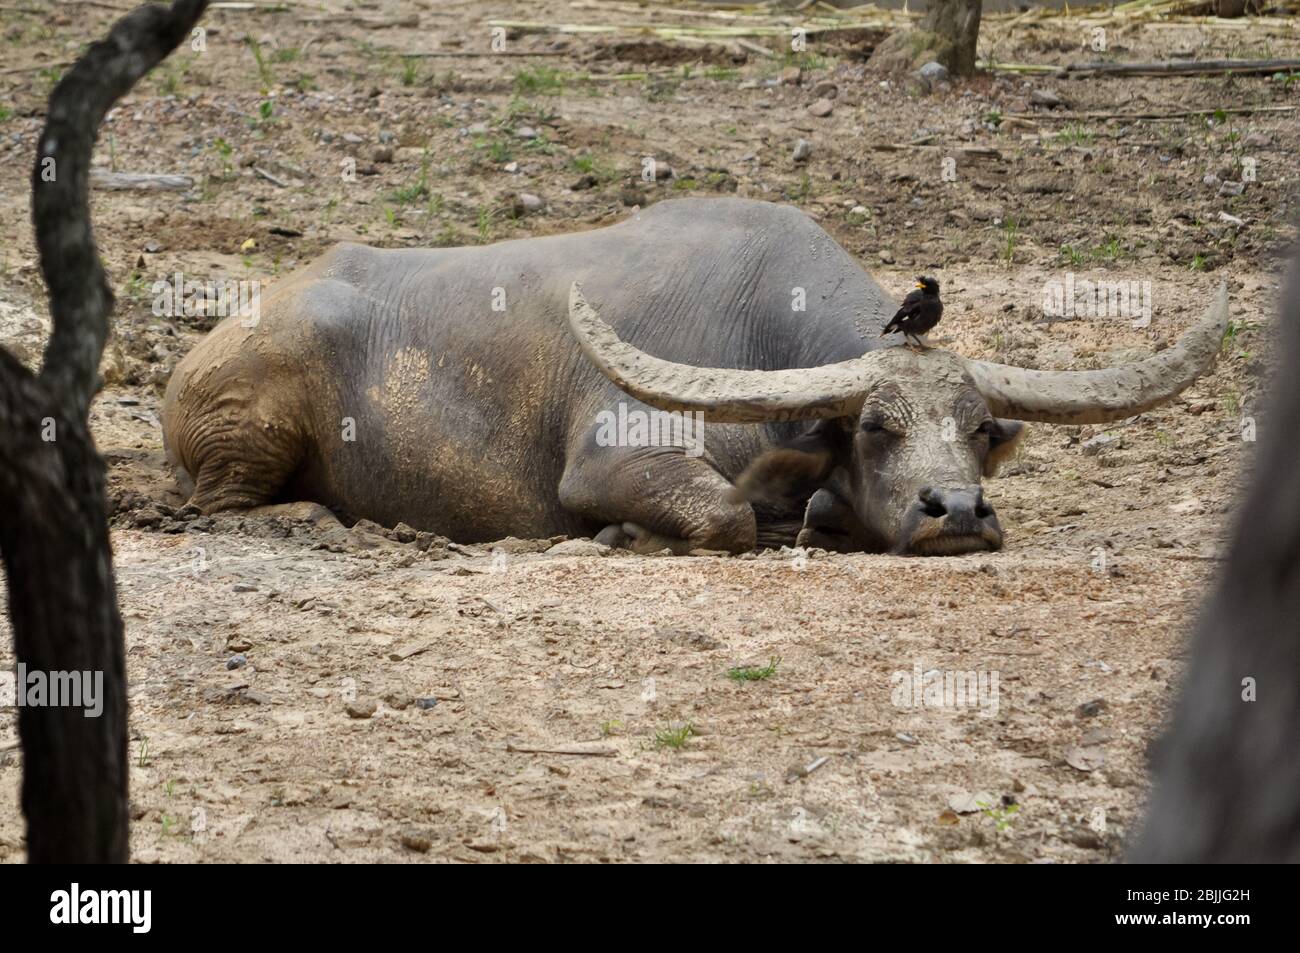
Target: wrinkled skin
(479, 423)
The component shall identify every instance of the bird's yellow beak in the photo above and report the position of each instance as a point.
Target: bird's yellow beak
(919, 285)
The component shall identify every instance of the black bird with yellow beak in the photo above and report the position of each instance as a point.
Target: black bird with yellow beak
(920, 312)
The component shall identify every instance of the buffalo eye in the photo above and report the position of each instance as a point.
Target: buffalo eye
(873, 426)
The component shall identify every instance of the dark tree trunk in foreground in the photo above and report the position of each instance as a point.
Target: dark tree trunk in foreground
(54, 538)
(957, 25)
(1227, 776)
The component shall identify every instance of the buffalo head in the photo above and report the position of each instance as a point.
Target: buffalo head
(899, 439)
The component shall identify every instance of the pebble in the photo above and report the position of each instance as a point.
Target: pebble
(361, 707)
(821, 108)
(1046, 97)
(236, 661)
(578, 547)
(1103, 441)
(526, 203)
(931, 75)
(418, 841)
(802, 150)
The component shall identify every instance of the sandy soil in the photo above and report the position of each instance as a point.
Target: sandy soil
(409, 699)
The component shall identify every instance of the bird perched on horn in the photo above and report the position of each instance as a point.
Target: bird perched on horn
(920, 312)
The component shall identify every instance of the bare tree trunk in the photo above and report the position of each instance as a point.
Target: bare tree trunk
(1227, 779)
(54, 538)
(957, 24)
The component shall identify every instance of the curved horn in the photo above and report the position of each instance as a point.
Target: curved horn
(1094, 397)
(725, 395)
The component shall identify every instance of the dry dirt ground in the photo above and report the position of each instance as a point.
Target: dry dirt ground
(406, 699)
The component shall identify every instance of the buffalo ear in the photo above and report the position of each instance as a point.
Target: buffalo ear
(791, 472)
(780, 475)
(1003, 440)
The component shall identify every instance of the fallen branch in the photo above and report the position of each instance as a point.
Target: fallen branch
(273, 179)
(32, 69)
(585, 752)
(139, 181)
(1183, 67)
(410, 21)
(474, 54)
(1058, 116)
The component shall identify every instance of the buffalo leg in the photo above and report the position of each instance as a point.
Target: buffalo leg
(657, 499)
(828, 524)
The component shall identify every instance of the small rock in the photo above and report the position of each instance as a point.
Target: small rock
(1230, 220)
(932, 74)
(418, 841)
(1210, 180)
(236, 661)
(578, 547)
(1085, 757)
(382, 154)
(361, 708)
(1046, 98)
(1103, 441)
(1232, 188)
(790, 76)
(511, 167)
(527, 204)
(1092, 709)
(821, 108)
(826, 90)
(886, 256)
(971, 803)
(587, 181)
(352, 138)
(424, 704)
(802, 150)
(525, 132)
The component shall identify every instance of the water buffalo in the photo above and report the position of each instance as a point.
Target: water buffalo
(474, 392)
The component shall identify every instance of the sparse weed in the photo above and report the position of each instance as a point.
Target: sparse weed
(542, 79)
(674, 738)
(754, 674)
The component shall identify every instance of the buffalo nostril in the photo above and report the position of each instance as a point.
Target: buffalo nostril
(983, 510)
(932, 502)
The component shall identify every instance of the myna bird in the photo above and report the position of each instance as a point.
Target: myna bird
(920, 312)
